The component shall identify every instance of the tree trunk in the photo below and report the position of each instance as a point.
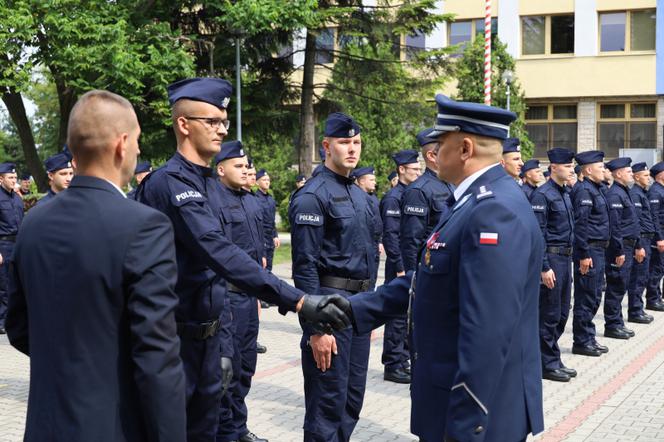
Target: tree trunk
(14, 103)
(66, 99)
(306, 142)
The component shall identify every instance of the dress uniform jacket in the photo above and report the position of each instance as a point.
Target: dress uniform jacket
(93, 304)
(476, 369)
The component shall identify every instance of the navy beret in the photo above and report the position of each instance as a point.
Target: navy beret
(230, 149)
(589, 157)
(7, 168)
(619, 163)
(260, 174)
(560, 155)
(26, 176)
(577, 169)
(547, 173)
(656, 169)
(473, 118)
(529, 165)
(511, 145)
(361, 171)
(339, 125)
(639, 167)
(424, 137)
(214, 91)
(57, 162)
(143, 166)
(408, 156)
(300, 178)
(392, 175)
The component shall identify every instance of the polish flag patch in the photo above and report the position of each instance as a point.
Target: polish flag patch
(489, 238)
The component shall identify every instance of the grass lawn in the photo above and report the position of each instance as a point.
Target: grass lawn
(282, 254)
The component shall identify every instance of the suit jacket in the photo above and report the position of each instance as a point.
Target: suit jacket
(474, 318)
(92, 303)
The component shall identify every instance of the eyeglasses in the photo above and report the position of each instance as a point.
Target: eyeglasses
(214, 123)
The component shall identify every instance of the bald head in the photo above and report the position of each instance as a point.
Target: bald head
(461, 154)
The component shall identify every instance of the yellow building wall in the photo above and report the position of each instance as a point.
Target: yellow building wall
(465, 9)
(611, 5)
(543, 7)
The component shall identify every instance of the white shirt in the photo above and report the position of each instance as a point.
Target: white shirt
(465, 184)
(118, 189)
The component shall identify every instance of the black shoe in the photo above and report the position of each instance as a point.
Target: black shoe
(399, 376)
(260, 348)
(265, 304)
(586, 350)
(656, 306)
(616, 333)
(568, 371)
(556, 375)
(251, 437)
(640, 319)
(600, 347)
(629, 331)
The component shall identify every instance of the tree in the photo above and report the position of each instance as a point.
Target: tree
(470, 71)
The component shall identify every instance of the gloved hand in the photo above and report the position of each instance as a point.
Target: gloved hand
(326, 313)
(226, 373)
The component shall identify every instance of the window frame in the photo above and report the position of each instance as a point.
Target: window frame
(473, 29)
(626, 120)
(547, 36)
(628, 32)
(550, 121)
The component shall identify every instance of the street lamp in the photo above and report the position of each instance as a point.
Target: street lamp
(508, 77)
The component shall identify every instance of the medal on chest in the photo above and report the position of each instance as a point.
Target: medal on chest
(430, 242)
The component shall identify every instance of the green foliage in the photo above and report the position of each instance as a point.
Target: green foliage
(470, 70)
(10, 145)
(47, 115)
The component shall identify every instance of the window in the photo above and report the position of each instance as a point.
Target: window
(626, 126)
(463, 31)
(551, 125)
(414, 44)
(325, 46)
(551, 34)
(627, 31)
(479, 26)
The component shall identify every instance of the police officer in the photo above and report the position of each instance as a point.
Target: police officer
(624, 246)
(142, 170)
(532, 176)
(365, 178)
(512, 161)
(423, 202)
(395, 352)
(26, 184)
(650, 234)
(476, 376)
(656, 268)
(553, 210)
(242, 219)
(60, 173)
(269, 206)
(591, 238)
(393, 178)
(333, 250)
(11, 215)
(185, 190)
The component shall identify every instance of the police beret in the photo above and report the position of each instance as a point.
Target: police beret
(618, 163)
(408, 156)
(57, 162)
(424, 137)
(300, 178)
(7, 168)
(214, 91)
(577, 169)
(260, 174)
(547, 173)
(230, 149)
(143, 166)
(392, 175)
(529, 165)
(250, 162)
(656, 169)
(361, 171)
(511, 145)
(473, 118)
(639, 167)
(339, 125)
(589, 157)
(560, 155)
(26, 176)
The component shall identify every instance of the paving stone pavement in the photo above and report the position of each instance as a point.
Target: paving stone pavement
(616, 397)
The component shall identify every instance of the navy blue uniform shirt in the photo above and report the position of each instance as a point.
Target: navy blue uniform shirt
(656, 199)
(528, 189)
(269, 206)
(591, 217)
(390, 212)
(642, 203)
(11, 212)
(242, 217)
(624, 219)
(553, 210)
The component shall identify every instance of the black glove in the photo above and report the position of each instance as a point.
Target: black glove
(326, 313)
(226, 373)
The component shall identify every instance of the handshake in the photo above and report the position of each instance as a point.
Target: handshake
(326, 313)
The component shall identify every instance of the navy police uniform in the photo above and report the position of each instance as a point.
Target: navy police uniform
(11, 215)
(656, 268)
(480, 383)
(52, 164)
(527, 188)
(374, 207)
(333, 252)
(269, 206)
(142, 167)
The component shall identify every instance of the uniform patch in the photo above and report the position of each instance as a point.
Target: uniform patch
(616, 206)
(392, 212)
(415, 210)
(638, 204)
(586, 202)
(489, 238)
(340, 199)
(312, 219)
(484, 193)
(538, 208)
(186, 196)
(654, 201)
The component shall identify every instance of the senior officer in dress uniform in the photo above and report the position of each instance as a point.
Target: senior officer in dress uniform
(532, 177)
(512, 161)
(656, 199)
(60, 173)
(365, 178)
(423, 202)
(624, 246)
(11, 215)
(269, 206)
(553, 210)
(143, 169)
(395, 351)
(185, 190)
(242, 218)
(93, 296)
(477, 366)
(333, 251)
(650, 234)
(591, 238)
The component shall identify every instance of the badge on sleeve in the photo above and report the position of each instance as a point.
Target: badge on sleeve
(311, 219)
(489, 238)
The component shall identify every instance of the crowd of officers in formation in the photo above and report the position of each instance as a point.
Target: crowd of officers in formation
(469, 277)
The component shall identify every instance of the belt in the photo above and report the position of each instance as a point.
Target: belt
(11, 238)
(200, 331)
(648, 235)
(347, 284)
(598, 243)
(629, 242)
(566, 251)
(233, 288)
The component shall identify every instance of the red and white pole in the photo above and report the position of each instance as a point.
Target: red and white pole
(487, 52)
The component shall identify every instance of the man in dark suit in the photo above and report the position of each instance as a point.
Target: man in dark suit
(92, 296)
